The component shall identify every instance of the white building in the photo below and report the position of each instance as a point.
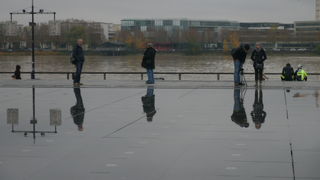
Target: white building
(317, 10)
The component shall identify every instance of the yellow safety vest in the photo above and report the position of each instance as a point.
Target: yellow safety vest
(303, 74)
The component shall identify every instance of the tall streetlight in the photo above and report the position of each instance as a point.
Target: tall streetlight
(13, 119)
(32, 24)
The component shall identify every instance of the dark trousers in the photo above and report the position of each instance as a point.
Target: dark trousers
(77, 75)
(258, 73)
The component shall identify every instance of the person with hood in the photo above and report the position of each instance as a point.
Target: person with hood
(239, 115)
(239, 57)
(148, 62)
(300, 74)
(258, 57)
(78, 111)
(287, 73)
(17, 73)
(148, 102)
(258, 114)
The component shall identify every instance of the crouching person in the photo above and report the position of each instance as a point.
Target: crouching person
(287, 73)
(300, 74)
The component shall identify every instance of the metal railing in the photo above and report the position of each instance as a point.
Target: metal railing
(179, 74)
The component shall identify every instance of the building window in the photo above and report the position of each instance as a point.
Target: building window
(158, 22)
(176, 22)
(127, 23)
(143, 28)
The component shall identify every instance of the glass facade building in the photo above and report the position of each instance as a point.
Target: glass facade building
(181, 24)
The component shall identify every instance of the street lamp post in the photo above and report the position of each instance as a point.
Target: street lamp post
(13, 119)
(32, 24)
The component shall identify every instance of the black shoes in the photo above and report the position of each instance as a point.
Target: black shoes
(239, 84)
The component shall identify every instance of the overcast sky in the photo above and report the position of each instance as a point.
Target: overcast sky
(115, 10)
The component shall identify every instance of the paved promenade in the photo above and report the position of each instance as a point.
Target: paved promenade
(174, 130)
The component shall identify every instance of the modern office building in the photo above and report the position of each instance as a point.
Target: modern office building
(175, 24)
(307, 26)
(266, 26)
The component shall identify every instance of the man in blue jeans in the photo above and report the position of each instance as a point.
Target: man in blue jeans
(78, 55)
(148, 62)
(239, 57)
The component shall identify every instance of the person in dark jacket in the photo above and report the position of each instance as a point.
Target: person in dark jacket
(17, 72)
(258, 57)
(148, 102)
(239, 115)
(78, 110)
(239, 57)
(148, 62)
(287, 73)
(258, 114)
(78, 55)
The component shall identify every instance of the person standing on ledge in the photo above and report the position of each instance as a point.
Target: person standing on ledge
(239, 57)
(78, 56)
(148, 62)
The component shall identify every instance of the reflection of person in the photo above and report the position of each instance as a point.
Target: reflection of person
(258, 114)
(239, 57)
(239, 115)
(148, 104)
(148, 62)
(17, 72)
(78, 110)
(258, 57)
(78, 55)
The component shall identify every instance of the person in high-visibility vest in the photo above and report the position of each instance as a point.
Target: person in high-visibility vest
(300, 74)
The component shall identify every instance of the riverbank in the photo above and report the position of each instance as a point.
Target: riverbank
(102, 53)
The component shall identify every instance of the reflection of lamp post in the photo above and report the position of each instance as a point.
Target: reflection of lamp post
(32, 24)
(13, 119)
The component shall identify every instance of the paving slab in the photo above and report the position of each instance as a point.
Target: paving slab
(174, 130)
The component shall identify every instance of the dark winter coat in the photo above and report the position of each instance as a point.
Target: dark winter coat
(148, 58)
(258, 114)
(78, 54)
(239, 54)
(258, 56)
(288, 73)
(240, 117)
(78, 110)
(148, 104)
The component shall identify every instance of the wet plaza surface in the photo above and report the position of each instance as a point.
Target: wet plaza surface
(160, 134)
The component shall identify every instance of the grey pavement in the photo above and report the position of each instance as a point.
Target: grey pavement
(196, 133)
